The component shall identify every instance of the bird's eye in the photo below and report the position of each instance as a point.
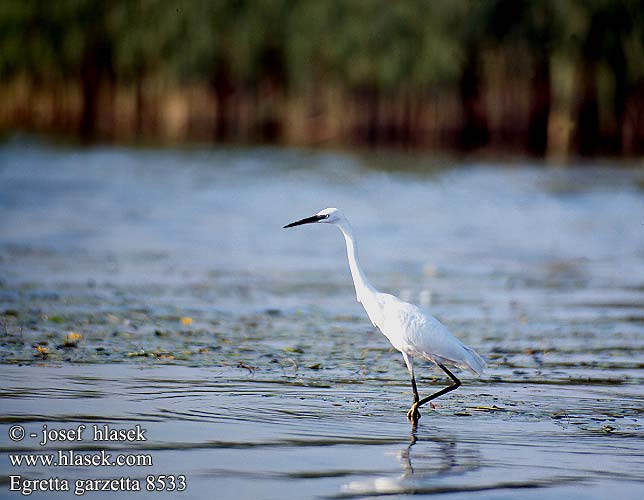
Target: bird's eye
(326, 216)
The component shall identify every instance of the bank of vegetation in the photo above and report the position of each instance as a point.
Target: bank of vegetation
(538, 77)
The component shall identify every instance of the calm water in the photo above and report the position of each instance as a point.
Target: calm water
(239, 346)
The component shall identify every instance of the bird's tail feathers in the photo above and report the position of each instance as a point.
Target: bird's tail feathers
(474, 361)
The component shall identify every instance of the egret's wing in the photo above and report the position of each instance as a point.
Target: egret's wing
(413, 330)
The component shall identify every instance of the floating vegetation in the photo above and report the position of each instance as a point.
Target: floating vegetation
(72, 339)
(41, 351)
(492, 408)
(251, 369)
(139, 353)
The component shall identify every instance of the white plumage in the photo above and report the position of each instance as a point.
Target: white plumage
(409, 328)
(414, 331)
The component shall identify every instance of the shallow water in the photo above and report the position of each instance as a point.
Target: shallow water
(240, 348)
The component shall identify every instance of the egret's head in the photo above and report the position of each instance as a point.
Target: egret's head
(326, 216)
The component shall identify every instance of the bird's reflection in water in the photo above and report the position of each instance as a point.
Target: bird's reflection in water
(427, 458)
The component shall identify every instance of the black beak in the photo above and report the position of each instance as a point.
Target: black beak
(308, 220)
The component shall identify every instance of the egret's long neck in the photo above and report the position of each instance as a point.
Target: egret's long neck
(362, 285)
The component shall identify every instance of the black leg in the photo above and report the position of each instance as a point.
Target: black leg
(412, 414)
(410, 367)
(413, 386)
(455, 385)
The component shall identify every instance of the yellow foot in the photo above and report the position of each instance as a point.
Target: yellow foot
(413, 414)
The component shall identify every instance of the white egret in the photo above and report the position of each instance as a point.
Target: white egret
(410, 329)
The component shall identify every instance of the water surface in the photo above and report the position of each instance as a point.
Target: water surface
(240, 348)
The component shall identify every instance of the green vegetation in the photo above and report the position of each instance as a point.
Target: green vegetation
(544, 77)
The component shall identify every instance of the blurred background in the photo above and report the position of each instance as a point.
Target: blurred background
(544, 78)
